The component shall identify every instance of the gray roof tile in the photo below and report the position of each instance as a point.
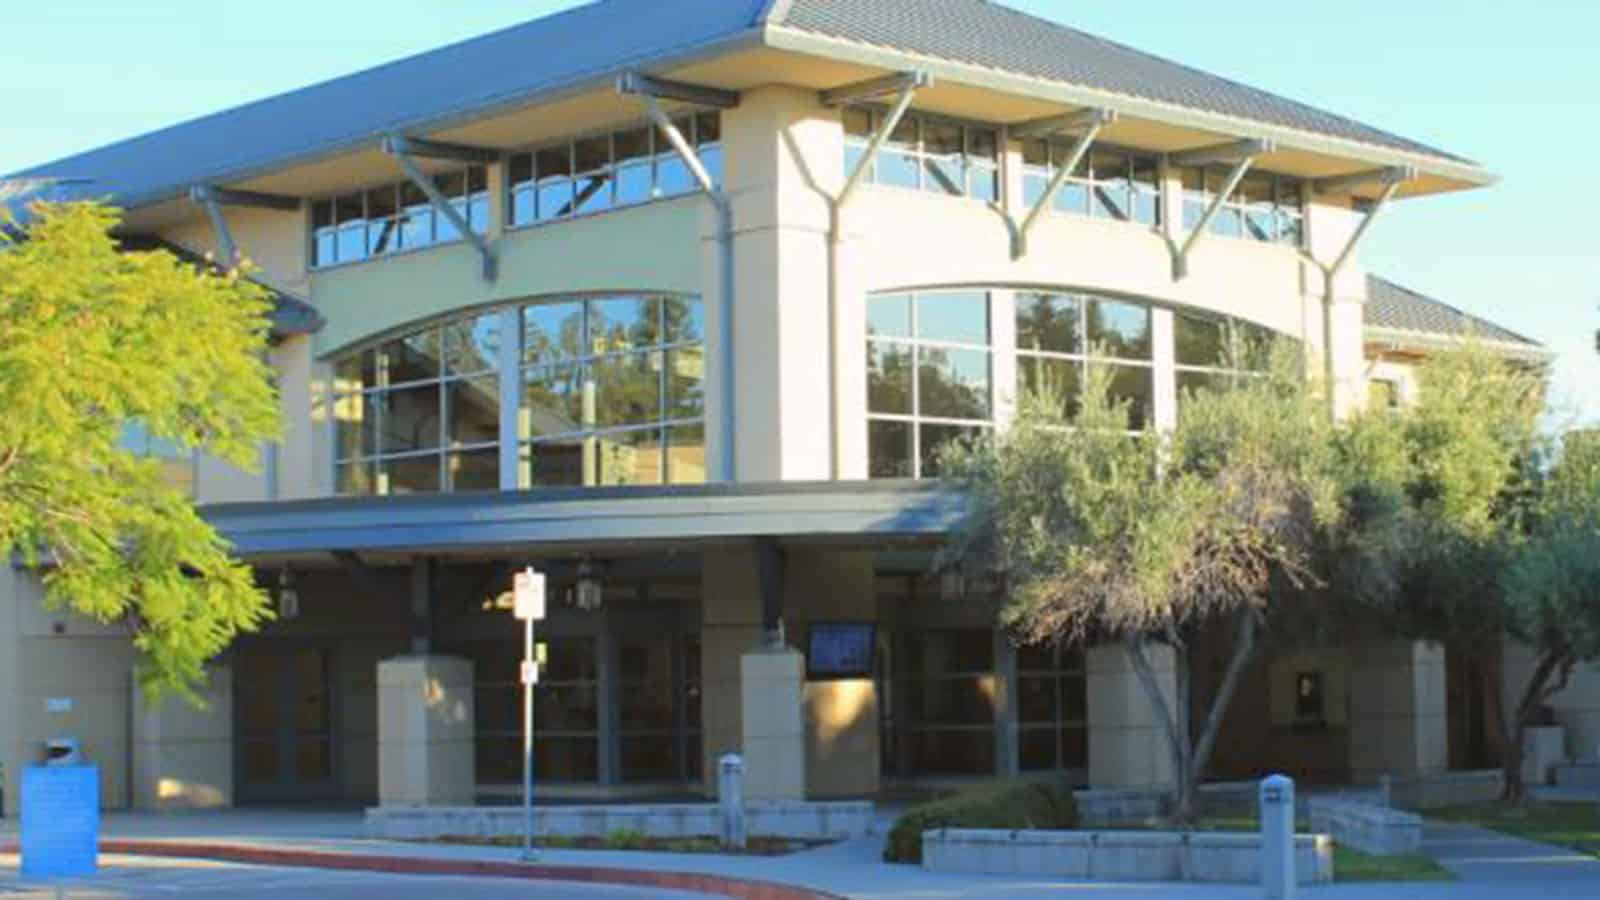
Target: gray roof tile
(1394, 307)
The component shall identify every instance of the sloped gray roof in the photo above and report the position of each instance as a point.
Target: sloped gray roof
(1394, 307)
(988, 34)
(591, 43)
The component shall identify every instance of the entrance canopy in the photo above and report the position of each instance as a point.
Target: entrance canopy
(877, 512)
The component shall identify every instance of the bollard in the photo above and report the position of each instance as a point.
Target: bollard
(730, 800)
(1277, 838)
(1385, 790)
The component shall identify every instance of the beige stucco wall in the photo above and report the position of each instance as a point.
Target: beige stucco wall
(1577, 708)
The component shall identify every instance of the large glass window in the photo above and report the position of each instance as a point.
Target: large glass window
(421, 412)
(942, 699)
(1211, 351)
(927, 153)
(1264, 207)
(1060, 334)
(928, 378)
(604, 171)
(658, 726)
(566, 708)
(1052, 709)
(613, 391)
(1107, 184)
(395, 217)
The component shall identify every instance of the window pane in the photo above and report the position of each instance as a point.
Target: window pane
(686, 383)
(1121, 330)
(624, 323)
(473, 408)
(1073, 198)
(684, 319)
(950, 701)
(1201, 340)
(888, 378)
(1062, 378)
(951, 752)
(474, 470)
(898, 169)
(889, 450)
(1049, 322)
(707, 127)
(520, 169)
(1134, 384)
(552, 331)
(889, 315)
(1036, 699)
(983, 183)
(472, 345)
(416, 217)
(554, 464)
(673, 176)
(953, 384)
(627, 389)
(633, 145)
(686, 454)
(410, 419)
(552, 401)
(593, 193)
(356, 418)
(961, 317)
(418, 475)
(1036, 751)
(1254, 346)
(934, 439)
(628, 457)
(635, 183)
(414, 357)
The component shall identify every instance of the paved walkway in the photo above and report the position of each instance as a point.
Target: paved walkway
(1479, 855)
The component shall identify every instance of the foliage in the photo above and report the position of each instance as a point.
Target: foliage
(92, 338)
(1010, 805)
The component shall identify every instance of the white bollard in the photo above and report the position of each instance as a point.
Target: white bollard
(730, 800)
(1277, 838)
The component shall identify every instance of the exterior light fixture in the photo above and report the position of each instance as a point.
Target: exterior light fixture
(288, 595)
(589, 594)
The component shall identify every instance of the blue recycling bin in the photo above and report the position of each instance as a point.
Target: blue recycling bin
(60, 822)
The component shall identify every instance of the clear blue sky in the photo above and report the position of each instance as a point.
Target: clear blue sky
(1515, 86)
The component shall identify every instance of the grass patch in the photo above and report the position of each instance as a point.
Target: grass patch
(1349, 865)
(1573, 825)
(633, 840)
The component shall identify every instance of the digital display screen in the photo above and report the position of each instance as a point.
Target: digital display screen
(841, 650)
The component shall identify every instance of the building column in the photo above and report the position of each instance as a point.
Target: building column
(1127, 742)
(1398, 722)
(772, 689)
(843, 744)
(426, 728)
(730, 611)
(183, 754)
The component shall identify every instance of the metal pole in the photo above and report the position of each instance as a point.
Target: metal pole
(528, 663)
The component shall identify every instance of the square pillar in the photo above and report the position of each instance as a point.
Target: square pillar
(772, 689)
(1398, 722)
(426, 726)
(183, 754)
(1127, 742)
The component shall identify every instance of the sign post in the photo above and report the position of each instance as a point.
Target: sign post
(530, 607)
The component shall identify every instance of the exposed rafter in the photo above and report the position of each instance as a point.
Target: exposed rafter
(406, 151)
(640, 84)
(1072, 122)
(1231, 152)
(1342, 184)
(212, 199)
(874, 88)
(425, 149)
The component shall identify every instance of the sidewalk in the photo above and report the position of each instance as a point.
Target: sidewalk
(1479, 855)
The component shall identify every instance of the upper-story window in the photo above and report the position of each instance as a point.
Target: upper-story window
(396, 217)
(421, 413)
(1264, 207)
(1209, 351)
(1107, 184)
(613, 392)
(927, 153)
(606, 171)
(1059, 335)
(928, 378)
(177, 464)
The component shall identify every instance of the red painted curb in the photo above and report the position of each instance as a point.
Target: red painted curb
(739, 888)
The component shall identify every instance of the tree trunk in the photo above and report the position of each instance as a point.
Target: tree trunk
(1556, 664)
(1190, 756)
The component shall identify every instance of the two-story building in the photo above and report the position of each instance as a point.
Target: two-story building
(677, 302)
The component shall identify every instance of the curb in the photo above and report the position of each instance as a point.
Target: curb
(739, 888)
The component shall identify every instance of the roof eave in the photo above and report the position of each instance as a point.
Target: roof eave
(1406, 339)
(800, 41)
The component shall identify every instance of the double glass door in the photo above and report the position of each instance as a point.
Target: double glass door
(283, 697)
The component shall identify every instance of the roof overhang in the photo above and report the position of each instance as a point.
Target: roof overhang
(864, 513)
(1401, 342)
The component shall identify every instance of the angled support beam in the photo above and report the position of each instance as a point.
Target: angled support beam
(686, 152)
(213, 199)
(873, 88)
(1072, 122)
(401, 149)
(1392, 180)
(1346, 183)
(1093, 121)
(639, 84)
(424, 149)
(910, 83)
(1243, 154)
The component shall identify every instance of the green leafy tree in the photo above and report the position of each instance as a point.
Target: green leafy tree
(92, 338)
(1155, 540)
(1441, 495)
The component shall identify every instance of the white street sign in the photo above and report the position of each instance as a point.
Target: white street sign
(529, 594)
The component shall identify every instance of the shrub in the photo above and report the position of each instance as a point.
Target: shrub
(1012, 805)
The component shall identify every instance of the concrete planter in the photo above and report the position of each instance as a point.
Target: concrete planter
(1201, 857)
(780, 819)
(1378, 830)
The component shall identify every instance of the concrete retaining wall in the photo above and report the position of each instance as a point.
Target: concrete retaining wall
(1424, 792)
(1211, 858)
(1377, 830)
(795, 821)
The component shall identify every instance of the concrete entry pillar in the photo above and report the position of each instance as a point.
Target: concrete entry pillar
(772, 688)
(426, 726)
(183, 754)
(1127, 741)
(1398, 722)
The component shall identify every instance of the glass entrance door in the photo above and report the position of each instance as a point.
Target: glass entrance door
(283, 701)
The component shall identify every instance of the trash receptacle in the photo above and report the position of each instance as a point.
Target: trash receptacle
(63, 751)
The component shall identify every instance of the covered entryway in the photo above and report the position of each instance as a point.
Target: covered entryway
(284, 698)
